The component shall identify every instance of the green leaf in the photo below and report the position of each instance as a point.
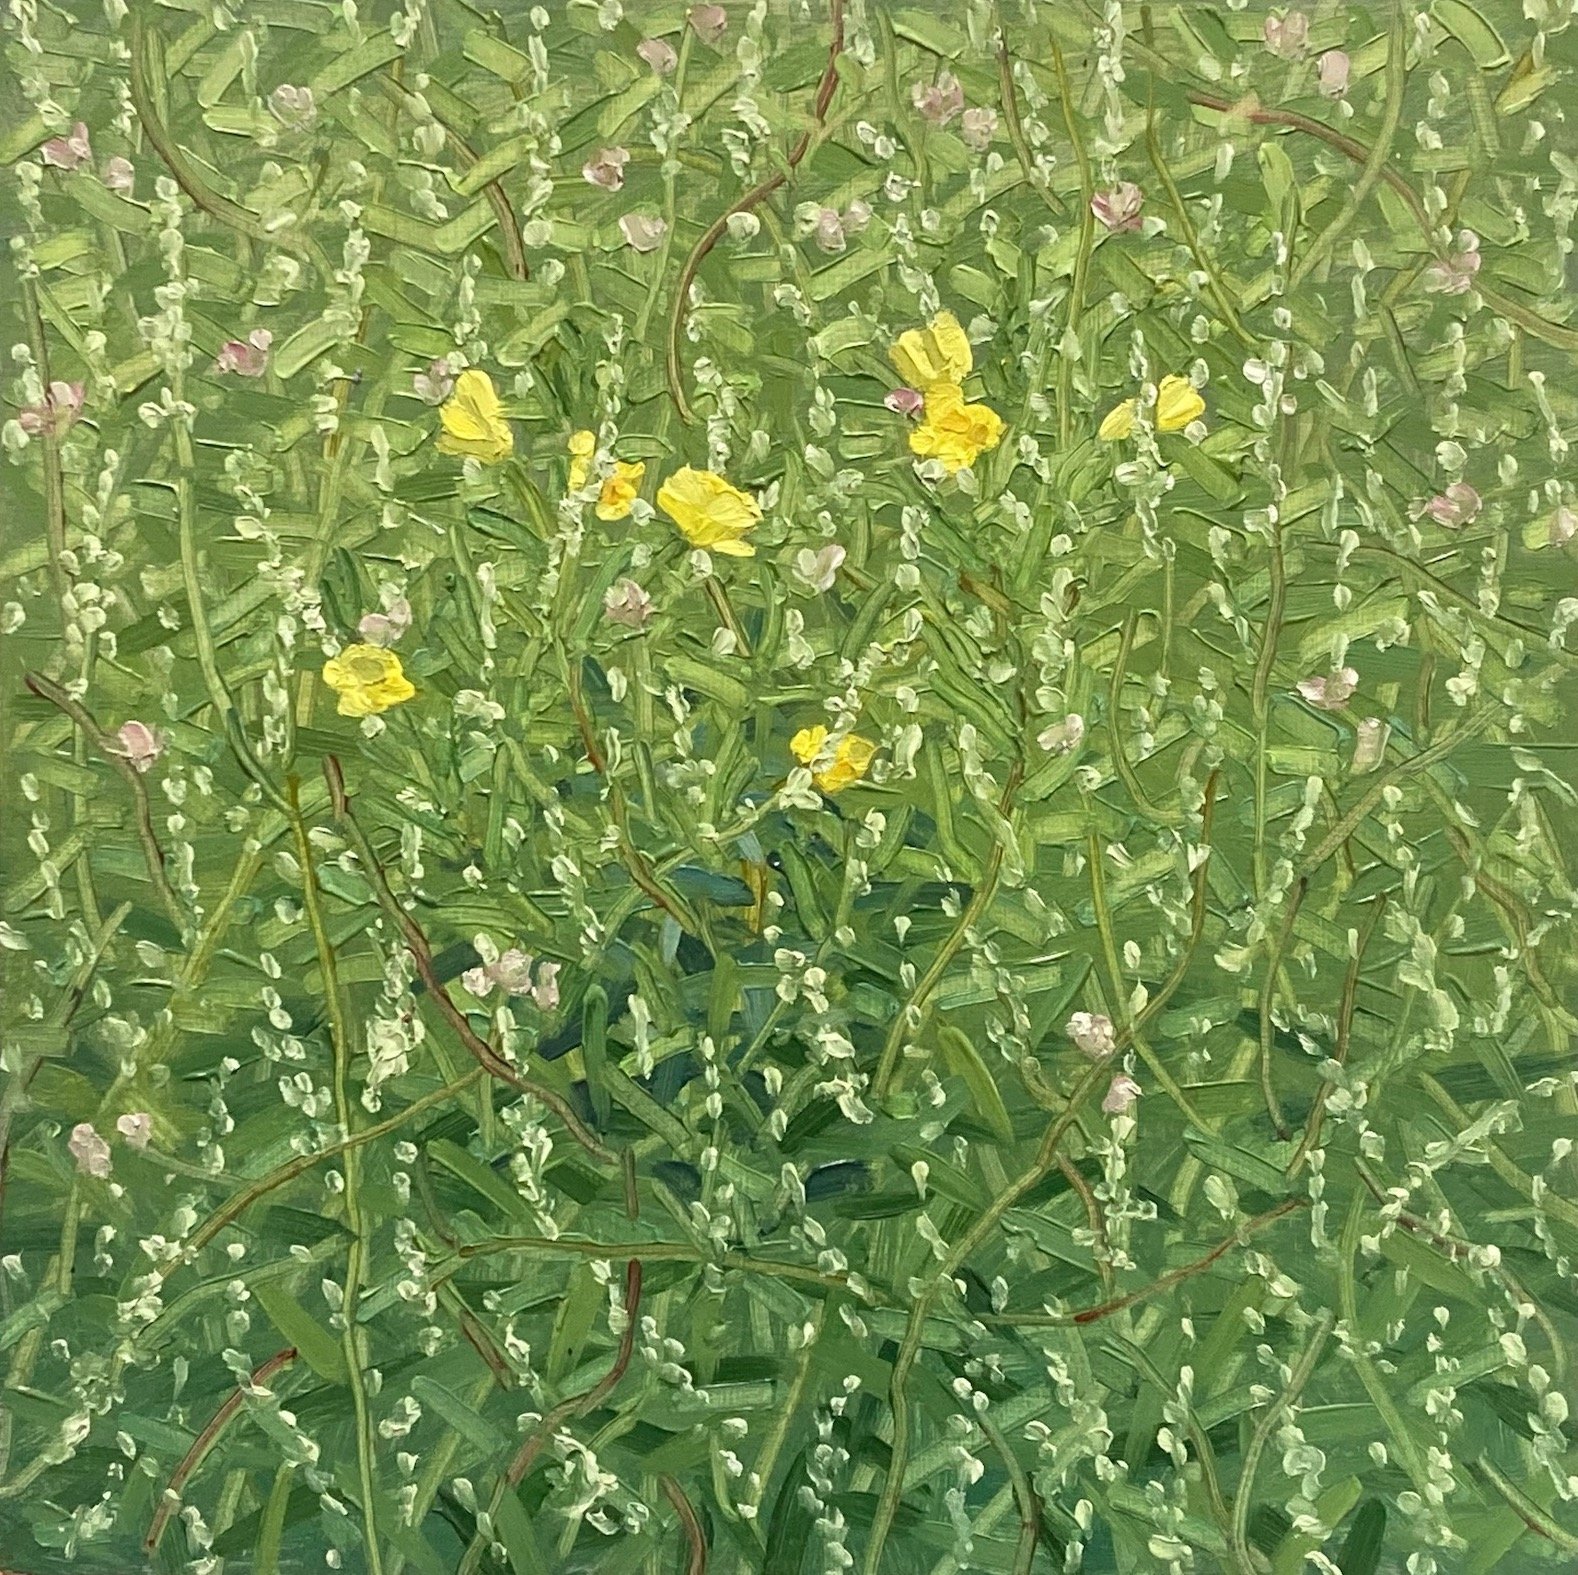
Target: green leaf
(319, 1349)
(964, 1061)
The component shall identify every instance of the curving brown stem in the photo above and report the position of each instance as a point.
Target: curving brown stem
(1164, 1282)
(509, 228)
(48, 689)
(206, 1440)
(422, 955)
(754, 198)
(696, 1564)
(576, 1405)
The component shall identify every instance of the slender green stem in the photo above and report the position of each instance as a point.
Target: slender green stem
(1243, 1499)
(343, 1043)
(1087, 240)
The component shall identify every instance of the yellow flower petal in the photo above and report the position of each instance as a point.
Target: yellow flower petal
(473, 421)
(1178, 402)
(709, 512)
(620, 490)
(851, 758)
(368, 679)
(1118, 423)
(954, 433)
(938, 353)
(582, 445)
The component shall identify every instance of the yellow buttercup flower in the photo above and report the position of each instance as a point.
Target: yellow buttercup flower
(938, 353)
(954, 433)
(583, 445)
(1178, 402)
(620, 490)
(473, 421)
(368, 679)
(710, 512)
(851, 757)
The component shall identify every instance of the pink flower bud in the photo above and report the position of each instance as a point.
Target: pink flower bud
(1331, 71)
(90, 1151)
(938, 101)
(978, 127)
(293, 107)
(1091, 1033)
(56, 413)
(904, 402)
(1064, 737)
(1287, 35)
(245, 357)
(67, 153)
(658, 54)
(1369, 744)
(385, 628)
(1118, 209)
(546, 990)
(607, 168)
(626, 603)
(140, 744)
(119, 174)
(1121, 1095)
(1458, 505)
(709, 23)
(643, 232)
(1454, 274)
(436, 384)
(136, 1128)
(1330, 693)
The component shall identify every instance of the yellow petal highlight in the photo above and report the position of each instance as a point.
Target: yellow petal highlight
(620, 490)
(1178, 402)
(709, 512)
(938, 353)
(368, 679)
(954, 433)
(583, 445)
(473, 421)
(851, 758)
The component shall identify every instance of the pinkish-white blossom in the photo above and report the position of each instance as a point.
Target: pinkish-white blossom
(817, 570)
(644, 232)
(139, 744)
(1118, 208)
(1121, 1094)
(90, 1151)
(434, 385)
(658, 54)
(1063, 737)
(385, 628)
(1091, 1033)
(1331, 73)
(294, 107)
(905, 402)
(1287, 35)
(977, 127)
(1454, 274)
(245, 357)
(626, 603)
(1456, 505)
(56, 413)
(69, 152)
(938, 101)
(119, 174)
(136, 1127)
(709, 23)
(1331, 692)
(606, 168)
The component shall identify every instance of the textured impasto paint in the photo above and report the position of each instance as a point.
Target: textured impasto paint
(789, 787)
